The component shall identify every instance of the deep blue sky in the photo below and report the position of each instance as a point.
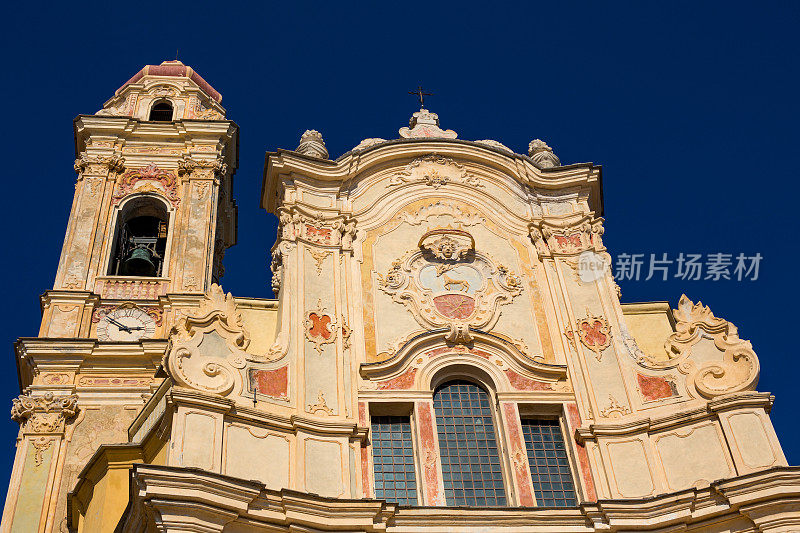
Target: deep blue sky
(690, 107)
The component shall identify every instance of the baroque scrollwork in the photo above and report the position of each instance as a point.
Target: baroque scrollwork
(450, 285)
(44, 414)
(708, 350)
(207, 349)
(148, 179)
(435, 170)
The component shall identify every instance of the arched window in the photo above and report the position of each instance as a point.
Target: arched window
(468, 445)
(161, 112)
(140, 239)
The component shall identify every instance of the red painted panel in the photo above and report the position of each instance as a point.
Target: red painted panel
(427, 432)
(403, 381)
(362, 420)
(520, 382)
(319, 326)
(519, 457)
(272, 383)
(583, 456)
(655, 388)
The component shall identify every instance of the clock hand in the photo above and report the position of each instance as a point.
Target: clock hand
(120, 325)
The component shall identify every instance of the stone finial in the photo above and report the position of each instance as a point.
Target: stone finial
(311, 144)
(423, 123)
(542, 154)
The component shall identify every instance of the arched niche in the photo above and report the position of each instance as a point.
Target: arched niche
(142, 234)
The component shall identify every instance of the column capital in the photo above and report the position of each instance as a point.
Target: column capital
(44, 414)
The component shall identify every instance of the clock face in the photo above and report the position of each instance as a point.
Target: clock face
(126, 325)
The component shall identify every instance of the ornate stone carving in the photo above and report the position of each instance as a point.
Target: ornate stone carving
(424, 124)
(295, 225)
(44, 414)
(614, 409)
(463, 292)
(96, 164)
(40, 444)
(594, 332)
(312, 145)
(542, 154)
(201, 168)
(709, 351)
(320, 327)
(148, 179)
(128, 289)
(206, 349)
(435, 170)
(319, 256)
(442, 209)
(321, 405)
(448, 244)
(569, 236)
(119, 107)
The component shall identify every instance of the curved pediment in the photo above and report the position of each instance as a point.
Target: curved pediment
(359, 167)
(417, 363)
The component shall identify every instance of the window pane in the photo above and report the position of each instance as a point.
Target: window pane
(547, 455)
(393, 458)
(467, 444)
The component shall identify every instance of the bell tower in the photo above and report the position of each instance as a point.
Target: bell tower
(153, 210)
(152, 215)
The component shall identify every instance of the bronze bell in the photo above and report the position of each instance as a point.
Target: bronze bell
(140, 263)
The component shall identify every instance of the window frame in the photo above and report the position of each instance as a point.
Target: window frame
(500, 433)
(395, 408)
(555, 410)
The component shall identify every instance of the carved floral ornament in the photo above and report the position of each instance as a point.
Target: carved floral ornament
(148, 179)
(443, 286)
(44, 414)
(568, 237)
(435, 171)
(207, 350)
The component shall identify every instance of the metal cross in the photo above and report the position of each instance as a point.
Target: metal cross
(421, 95)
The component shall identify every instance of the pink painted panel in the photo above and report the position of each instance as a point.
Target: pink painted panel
(519, 456)
(574, 418)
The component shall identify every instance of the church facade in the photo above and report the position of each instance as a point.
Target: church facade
(447, 350)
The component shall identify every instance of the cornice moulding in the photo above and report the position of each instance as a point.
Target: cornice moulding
(671, 420)
(352, 165)
(287, 510)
